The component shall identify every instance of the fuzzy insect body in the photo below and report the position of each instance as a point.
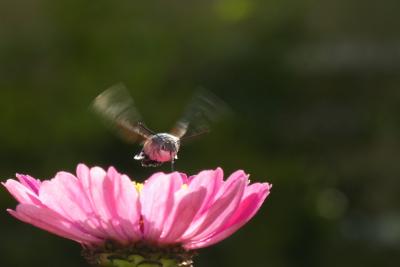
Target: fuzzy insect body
(159, 148)
(117, 108)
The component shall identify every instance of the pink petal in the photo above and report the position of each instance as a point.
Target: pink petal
(191, 202)
(64, 195)
(157, 201)
(253, 198)
(21, 193)
(103, 204)
(123, 201)
(225, 203)
(52, 222)
(187, 202)
(96, 205)
(211, 180)
(29, 182)
(98, 190)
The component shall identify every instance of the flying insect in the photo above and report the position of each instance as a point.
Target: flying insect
(117, 108)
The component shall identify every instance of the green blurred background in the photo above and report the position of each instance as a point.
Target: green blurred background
(314, 86)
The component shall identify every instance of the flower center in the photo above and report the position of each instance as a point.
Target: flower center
(138, 255)
(138, 186)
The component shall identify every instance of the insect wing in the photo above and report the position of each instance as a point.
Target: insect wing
(116, 107)
(204, 109)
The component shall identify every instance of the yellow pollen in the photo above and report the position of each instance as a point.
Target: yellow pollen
(139, 186)
(184, 186)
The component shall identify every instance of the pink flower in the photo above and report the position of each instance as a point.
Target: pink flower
(168, 209)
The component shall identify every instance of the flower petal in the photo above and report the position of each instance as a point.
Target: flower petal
(64, 195)
(254, 196)
(187, 202)
(52, 222)
(123, 201)
(95, 206)
(211, 180)
(157, 201)
(30, 182)
(225, 203)
(21, 193)
(98, 192)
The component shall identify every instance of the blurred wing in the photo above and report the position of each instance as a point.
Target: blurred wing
(116, 107)
(204, 109)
